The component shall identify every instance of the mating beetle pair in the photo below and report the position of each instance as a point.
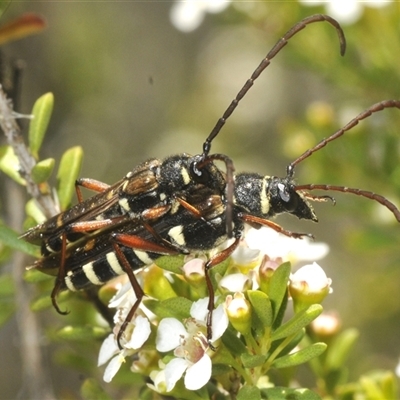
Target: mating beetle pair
(180, 205)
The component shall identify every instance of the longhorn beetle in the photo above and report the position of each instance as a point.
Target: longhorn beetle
(192, 207)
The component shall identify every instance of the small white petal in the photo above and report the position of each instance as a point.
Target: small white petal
(174, 371)
(140, 334)
(158, 377)
(112, 368)
(244, 255)
(198, 374)
(169, 334)
(220, 322)
(199, 309)
(234, 282)
(123, 294)
(313, 275)
(108, 349)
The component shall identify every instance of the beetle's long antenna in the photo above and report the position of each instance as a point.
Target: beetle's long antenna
(365, 114)
(264, 64)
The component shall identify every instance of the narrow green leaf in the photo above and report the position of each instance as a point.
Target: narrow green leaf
(41, 112)
(278, 286)
(42, 171)
(249, 393)
(253, 361)
(289, 347)
(340, 348)
(44, 302)
(299, 321)
(33, 210)
(261, 306)
(11, 238)
(35, 276)
(10, 165)
(171, 263)
(177, 307)
(300, 357)
(68, 172)
(234, 345)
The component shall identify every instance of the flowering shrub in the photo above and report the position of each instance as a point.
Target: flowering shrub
(251, 330)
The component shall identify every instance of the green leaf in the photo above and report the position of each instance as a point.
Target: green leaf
(10, 165)
(91, 389)
(41, 112)
(33, 210)
(68, 172)
(11, 238)
(42, 171)
(249, 393)
(278, 286)
(234, 345)
(299, 321)
(44, 302)
(176, 307)
(290, 346)
(253, 361)
(35, 276)
(261, 306)
(340, 348)
(282, 393)
(300, 357)
(171, 263)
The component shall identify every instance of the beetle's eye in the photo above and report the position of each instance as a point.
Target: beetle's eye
(289, 200)
(199, 175)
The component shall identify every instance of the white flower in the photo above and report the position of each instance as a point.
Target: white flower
(346, 11)
(135, 334)
(188, 15)
(139, 334)
(276, 245)
(238, 282)
(190, 346)
(310, 279)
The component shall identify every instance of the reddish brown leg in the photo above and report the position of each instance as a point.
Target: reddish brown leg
(250, 219)
(136, 288)
(91, 184)
(137, 243)
(212, 262)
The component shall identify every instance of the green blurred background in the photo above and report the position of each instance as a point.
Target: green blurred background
(128, 86)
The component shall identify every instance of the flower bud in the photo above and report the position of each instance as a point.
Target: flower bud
(239, 312)
(309, 285)
(325, 326)
(266, 270)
